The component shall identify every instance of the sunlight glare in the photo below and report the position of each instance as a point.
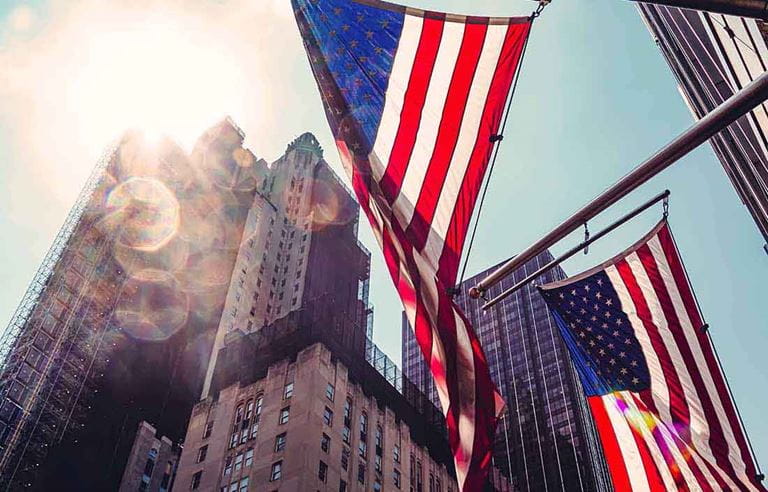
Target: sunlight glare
(155, 76)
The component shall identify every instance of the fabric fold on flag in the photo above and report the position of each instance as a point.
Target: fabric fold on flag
(655, 388)
(412, 98)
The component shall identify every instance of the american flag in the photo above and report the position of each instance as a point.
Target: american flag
(413, 99)
(656, 391)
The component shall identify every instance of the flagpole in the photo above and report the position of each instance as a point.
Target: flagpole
(757, 9)
(729, 111)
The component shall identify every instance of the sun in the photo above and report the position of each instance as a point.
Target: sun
(156, 75)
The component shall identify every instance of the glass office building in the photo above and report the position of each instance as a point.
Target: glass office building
(546, 439)
(713, 56)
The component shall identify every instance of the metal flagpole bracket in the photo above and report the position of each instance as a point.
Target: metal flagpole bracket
(729, 111)
(552, 264)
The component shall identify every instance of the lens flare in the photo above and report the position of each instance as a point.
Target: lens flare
(152, 306)
(172, 257)
(329, 206)
(144, 213)
(205, 270)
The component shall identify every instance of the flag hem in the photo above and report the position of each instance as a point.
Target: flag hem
(449, 17)
(602, 266)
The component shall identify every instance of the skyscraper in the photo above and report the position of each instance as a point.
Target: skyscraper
(118, 321)
(545, 439)
(298, 397)
(299, 246)
(713, 56)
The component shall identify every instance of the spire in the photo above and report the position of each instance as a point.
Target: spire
(306, 142)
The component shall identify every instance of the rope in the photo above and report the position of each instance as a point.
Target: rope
(497, 138)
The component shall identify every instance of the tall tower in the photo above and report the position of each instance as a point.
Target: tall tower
(298, 397)
(299, 249)
(545, 439)
(713, 56)
(119, 319)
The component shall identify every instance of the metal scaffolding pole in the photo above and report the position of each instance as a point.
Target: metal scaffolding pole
(732, 109)
(757, 9)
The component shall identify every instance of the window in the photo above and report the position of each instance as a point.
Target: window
(345, 434)
(397, 478)
(208, 430)
(363, 426)
(325, 443)
(243, 485)
(362, 448)
(361, 473)
(396, 453)
(329, 391)
(255, 428)
(345, 458)
(166, 476)
(280, 442)
(196, 480)
(233, 440)
(419, 478)
(277, 471)
(431, 482)
(377, 485)
(438, 487)
(377, 463)
(149, 467)
(228, 466)
(238, 462)
(249, 457)
(328, 416)
(201, 454)
(342, 486)
(284, 414)
(322, 472)
(288, 391)
(239, 414)
(233, 487)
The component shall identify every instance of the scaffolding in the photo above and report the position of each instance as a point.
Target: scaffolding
(42, 276)
(49, 349)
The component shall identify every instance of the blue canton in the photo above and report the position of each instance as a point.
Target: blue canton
(599, 336)
(357, 45)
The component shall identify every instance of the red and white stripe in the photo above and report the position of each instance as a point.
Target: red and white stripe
(683, 433)
(418, 187)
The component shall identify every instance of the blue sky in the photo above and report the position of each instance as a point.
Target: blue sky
(595, 98)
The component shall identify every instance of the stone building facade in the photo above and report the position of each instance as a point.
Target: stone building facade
(151, 465)
(306, 425)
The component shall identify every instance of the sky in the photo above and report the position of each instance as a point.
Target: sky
(595, 98)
